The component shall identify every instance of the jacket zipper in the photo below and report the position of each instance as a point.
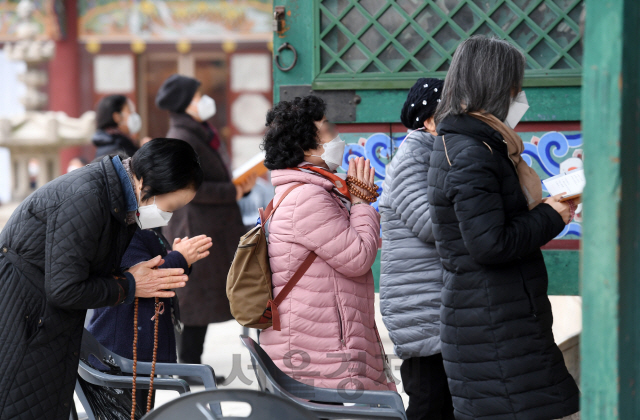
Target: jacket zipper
(340, 324)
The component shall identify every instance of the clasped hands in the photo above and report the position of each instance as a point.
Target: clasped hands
(152, 281)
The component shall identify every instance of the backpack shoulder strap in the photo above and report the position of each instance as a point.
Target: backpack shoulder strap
(271, 312)
(295, 278)
(268, 212)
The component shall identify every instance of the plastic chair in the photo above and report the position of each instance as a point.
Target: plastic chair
(369, 404)
(91, 347)
(263, 406)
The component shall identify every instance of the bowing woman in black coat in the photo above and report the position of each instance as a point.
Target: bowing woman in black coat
(489, 222)
(60, 254)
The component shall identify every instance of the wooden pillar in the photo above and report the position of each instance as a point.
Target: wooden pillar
(610, 261)
(64, 77)
(64, 68)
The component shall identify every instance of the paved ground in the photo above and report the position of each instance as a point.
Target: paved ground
(5, 212)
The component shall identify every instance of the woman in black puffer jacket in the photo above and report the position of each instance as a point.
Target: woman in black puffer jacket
(489, 222)
(117, 122)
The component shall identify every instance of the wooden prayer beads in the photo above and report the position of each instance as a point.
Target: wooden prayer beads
(135, 356)
(373, 190)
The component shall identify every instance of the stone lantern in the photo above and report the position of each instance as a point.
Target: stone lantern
(37, 134)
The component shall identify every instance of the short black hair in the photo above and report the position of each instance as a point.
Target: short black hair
(166, 165)
(421, 103)
(106, 107)
(484, 76)
(291, 131)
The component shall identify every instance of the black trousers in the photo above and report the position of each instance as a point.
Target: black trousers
(190, 344)
(425, 381)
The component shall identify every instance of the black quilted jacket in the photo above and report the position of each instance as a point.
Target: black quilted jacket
(497, 344)
(59, 254)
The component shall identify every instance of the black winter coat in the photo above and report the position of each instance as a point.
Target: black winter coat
(497, 344)
(59, 254)
(213, 212)
(112, 142)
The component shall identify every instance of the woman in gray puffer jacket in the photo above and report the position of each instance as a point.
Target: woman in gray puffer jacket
(411, 273)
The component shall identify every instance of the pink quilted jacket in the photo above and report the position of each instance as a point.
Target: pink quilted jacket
(328, 337)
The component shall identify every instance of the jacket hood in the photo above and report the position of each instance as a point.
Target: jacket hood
(472, 127)
(186, 122)
(420, 137)
(102, 138)
(288, 176)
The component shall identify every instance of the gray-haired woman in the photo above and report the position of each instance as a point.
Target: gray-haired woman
(489, 222)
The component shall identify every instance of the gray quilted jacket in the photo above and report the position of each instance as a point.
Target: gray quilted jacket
(411, 272)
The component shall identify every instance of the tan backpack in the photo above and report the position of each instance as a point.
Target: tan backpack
(249, 287)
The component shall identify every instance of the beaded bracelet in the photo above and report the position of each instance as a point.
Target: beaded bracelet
(358, 183)
(362, 196)
(572, 210)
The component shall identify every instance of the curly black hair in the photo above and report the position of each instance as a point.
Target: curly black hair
(291, 131)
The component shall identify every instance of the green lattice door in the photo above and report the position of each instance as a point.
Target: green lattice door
(377, 44)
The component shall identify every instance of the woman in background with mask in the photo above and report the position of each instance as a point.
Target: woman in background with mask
(117, 123)
(213, 212)
(327, 337)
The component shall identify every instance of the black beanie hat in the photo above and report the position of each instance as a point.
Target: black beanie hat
(421, 102)
(176, 93)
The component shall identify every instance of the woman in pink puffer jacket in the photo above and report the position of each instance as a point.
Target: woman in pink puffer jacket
(328, 336)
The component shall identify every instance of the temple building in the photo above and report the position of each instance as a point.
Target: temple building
(130, 47)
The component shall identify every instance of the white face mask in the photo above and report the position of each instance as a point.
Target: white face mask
(333, 153)
(134, 123)
(517, 109)
(149, 217)
(206, 107)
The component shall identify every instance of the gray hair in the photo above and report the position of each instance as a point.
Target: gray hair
(485, 74)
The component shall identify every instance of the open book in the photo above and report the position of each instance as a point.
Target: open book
(255, 165)
(571, 183)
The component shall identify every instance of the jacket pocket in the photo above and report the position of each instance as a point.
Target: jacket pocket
(340, 327)
(33, 314)
(533, 309)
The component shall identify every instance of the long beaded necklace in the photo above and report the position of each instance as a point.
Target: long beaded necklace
(155, 318)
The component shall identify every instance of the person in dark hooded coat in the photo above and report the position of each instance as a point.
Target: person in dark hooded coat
(214, 212)
(117, 122)
(489, 222)
(61, 253)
